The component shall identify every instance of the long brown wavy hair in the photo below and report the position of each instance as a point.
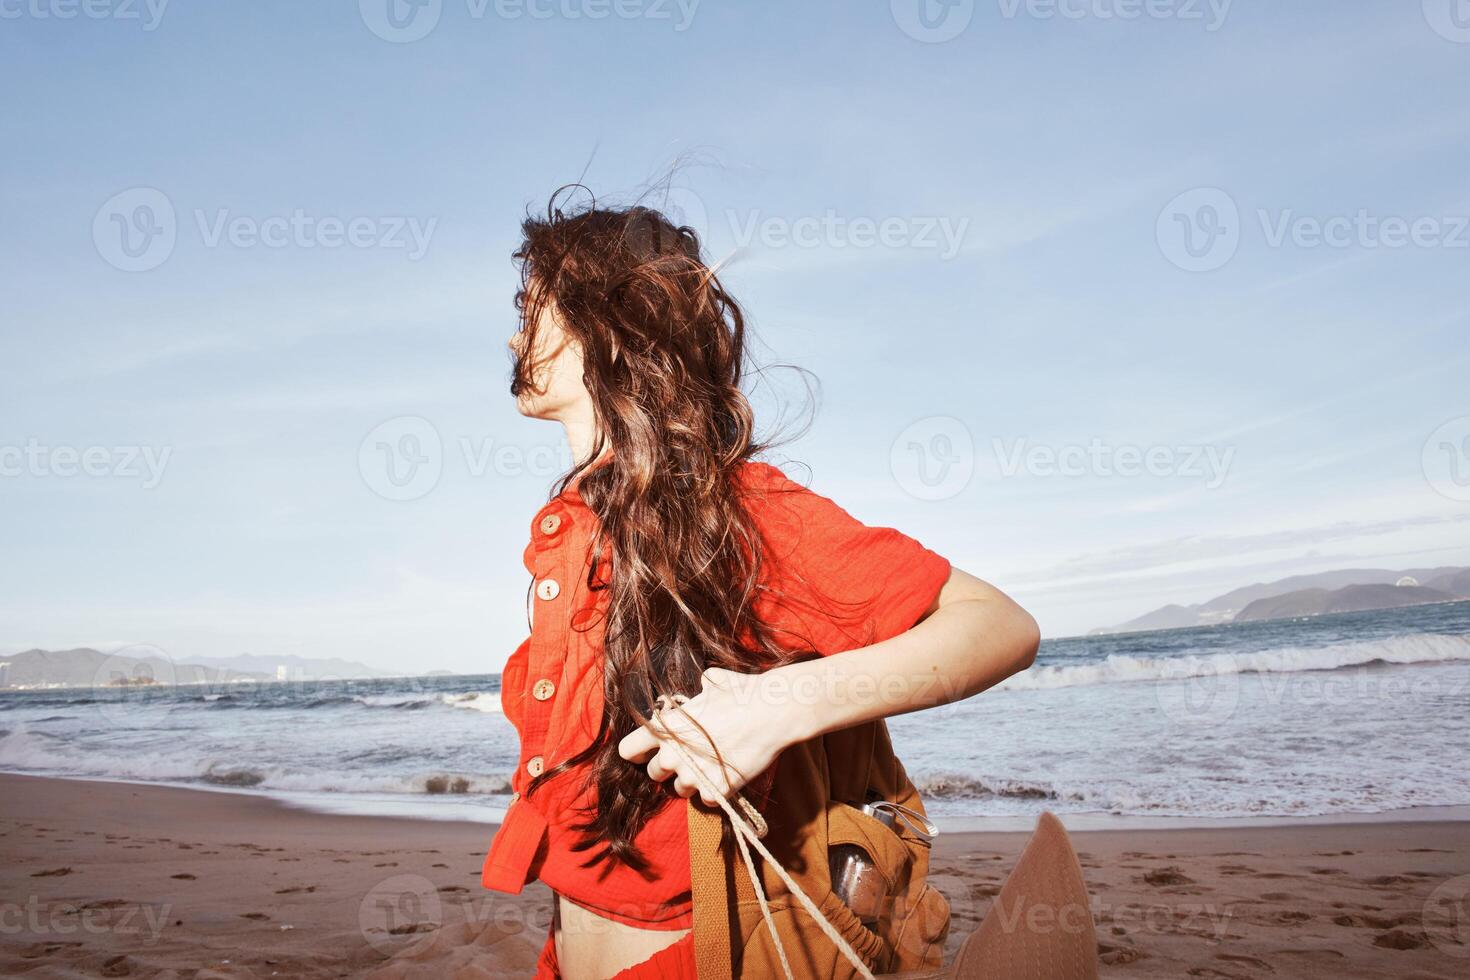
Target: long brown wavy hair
(664, 352)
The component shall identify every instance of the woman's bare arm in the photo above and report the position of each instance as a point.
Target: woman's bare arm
(973, 638)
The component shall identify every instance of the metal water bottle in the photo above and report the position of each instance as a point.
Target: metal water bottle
(854, 878)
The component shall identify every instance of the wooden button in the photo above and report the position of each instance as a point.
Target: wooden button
(550, 524)
(543, 689)
(547, 589)
(514, 797)
(534, 766)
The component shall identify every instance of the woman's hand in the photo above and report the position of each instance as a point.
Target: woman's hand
(748, 727)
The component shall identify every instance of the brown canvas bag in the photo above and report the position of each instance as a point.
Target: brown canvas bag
(1040, 924)
(816, 796)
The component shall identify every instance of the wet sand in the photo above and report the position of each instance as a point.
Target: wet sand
(101, 879)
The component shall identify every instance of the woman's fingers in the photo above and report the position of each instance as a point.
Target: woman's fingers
(638, 744)
(661, 766)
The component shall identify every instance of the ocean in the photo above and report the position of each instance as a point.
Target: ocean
(1352, 713)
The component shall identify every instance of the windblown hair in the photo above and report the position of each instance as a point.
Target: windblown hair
(664, 351)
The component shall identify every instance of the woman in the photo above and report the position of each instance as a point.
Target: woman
(671, 564)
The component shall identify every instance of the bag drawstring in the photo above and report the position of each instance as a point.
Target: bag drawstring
(753, 831)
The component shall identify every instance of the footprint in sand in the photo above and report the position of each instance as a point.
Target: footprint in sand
(1250, 961)
(52, 873)
(1400, 939)
(1119, 955)
(1163, 877)
(438, 865)
(117, 966)
(1279, 897)
(255, 916)
(1373, 921)
(185, 876)
(299, 889)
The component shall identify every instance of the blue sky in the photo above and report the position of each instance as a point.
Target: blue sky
(1111, 310)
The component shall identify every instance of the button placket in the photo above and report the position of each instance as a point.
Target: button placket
(551, 544)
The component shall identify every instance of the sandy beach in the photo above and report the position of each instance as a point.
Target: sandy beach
(105, 879)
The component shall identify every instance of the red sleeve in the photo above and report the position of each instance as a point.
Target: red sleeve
(832, 583)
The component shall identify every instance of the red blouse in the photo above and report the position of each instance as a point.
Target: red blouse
(831, 584)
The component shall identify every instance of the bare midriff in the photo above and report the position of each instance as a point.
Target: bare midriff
(590, 945)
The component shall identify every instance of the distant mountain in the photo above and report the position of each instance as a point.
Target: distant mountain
(85, 667)
(1455, 581)
(1349, 598)
(295, 668)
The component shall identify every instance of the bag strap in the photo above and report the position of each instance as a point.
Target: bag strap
(744, 831)
(708, 890)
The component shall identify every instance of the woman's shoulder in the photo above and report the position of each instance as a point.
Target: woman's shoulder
(759, 476)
